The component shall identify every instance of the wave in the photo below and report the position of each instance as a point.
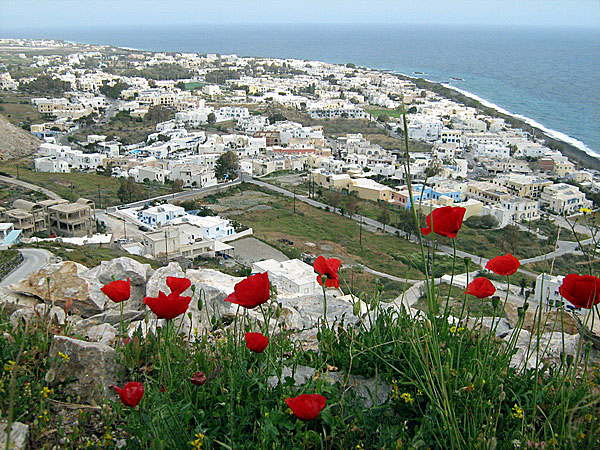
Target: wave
(563, 137)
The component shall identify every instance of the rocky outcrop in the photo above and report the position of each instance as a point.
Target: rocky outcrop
(548, 349)
(90, 368)
(549, 321)
(56, 283)
(16, 142)
(19, 435)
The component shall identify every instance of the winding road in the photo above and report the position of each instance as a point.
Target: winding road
(33, 260)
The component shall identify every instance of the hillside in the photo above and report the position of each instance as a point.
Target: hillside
(15, 142)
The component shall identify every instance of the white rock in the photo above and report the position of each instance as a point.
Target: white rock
(158, 280)
(19, 435)
(103, 333)
(91, 368)
(53, 313)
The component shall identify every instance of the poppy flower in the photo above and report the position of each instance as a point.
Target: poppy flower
(251, 292)
(481, 287)
(256, 342)
(503, 265)
(199, 378)
(168, 306)
(178, 285)
(328, 267)
(446, 221)
(131, 393)
(306, 406)
(118, 290)
(583, 291)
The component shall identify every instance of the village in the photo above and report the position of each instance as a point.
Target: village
(225, 105)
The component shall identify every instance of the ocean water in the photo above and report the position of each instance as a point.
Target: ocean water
(550, 76)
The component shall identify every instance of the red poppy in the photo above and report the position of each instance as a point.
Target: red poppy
(178, 285)
(446, 221)
(256, 342)
(328, 267)
(131, 393)
(503, 265)
(168, 306)
(306, 406)
(117, 291)
(162, 388)
(481, 287)
(251, 292)
(582, 291)
(199, 378)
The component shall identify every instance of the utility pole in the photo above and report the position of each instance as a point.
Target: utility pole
(124, 229)
(17, 171)
(294, 200)
(360, 231)
(166, 247)
(99, 197)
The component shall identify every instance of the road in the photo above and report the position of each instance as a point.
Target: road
(33, 260)
(30, 186)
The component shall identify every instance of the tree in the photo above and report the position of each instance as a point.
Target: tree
(130, 191)
(382, 118)
(114, 90)
(523, 284)
(212, 118)
(227, 165)
(351, 203)
(177, 186)
(384, 217)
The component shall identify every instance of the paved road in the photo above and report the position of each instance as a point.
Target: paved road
(30, 186)
(34, 260)
(179, 195)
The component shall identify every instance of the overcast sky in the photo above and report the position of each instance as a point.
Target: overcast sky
(15, 14)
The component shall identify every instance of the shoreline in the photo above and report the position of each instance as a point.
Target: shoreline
(573, 148)
(567, 145)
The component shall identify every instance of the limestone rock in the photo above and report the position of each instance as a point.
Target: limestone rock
(19, 435)
(91, 368)
(52, 313)
(110, 317)
(305, 311)
(11, 301)
(22, 316)
(158, 280)
(550, 321)
(56, 283)
(121, 269)
(551, 346)
(485, 324)
(103, 333)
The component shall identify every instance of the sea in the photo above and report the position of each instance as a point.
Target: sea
(548, 76)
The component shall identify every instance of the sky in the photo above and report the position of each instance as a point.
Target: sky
(23, 14)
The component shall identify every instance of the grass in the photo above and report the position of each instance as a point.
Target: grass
(17, 108)
(365, 285)
(7, 256)
(385, 111)
(72, 186)
(91, 255)
(474, 307)
(550, 229)
(377, 251)
(566, 264)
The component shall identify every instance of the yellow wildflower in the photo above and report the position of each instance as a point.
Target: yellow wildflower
(581, 436)
(395, 390)
(46, 391)
(407, 398)
(517, 412)
(453, 329)
(588, 417)
(64, 356)
(197, 443)
(9, 366)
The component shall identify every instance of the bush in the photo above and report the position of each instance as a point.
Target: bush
(485, 222)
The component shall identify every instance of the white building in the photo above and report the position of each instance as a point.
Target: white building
(292, 276)
(160, 215)
(546, 290)
(562, 198)
(211, 227)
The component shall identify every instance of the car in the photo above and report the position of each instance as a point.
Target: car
(143, 228)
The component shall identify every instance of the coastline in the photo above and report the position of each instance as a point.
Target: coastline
(575, 150)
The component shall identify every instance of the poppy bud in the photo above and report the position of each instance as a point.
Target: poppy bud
(495, 301)
(356, 309)
(467, 260)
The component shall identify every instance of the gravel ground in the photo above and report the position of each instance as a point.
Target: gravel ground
(250, 250)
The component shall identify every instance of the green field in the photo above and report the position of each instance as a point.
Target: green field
(386, 112)
(99, 188)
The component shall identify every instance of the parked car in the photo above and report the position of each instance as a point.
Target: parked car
(143, 228)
